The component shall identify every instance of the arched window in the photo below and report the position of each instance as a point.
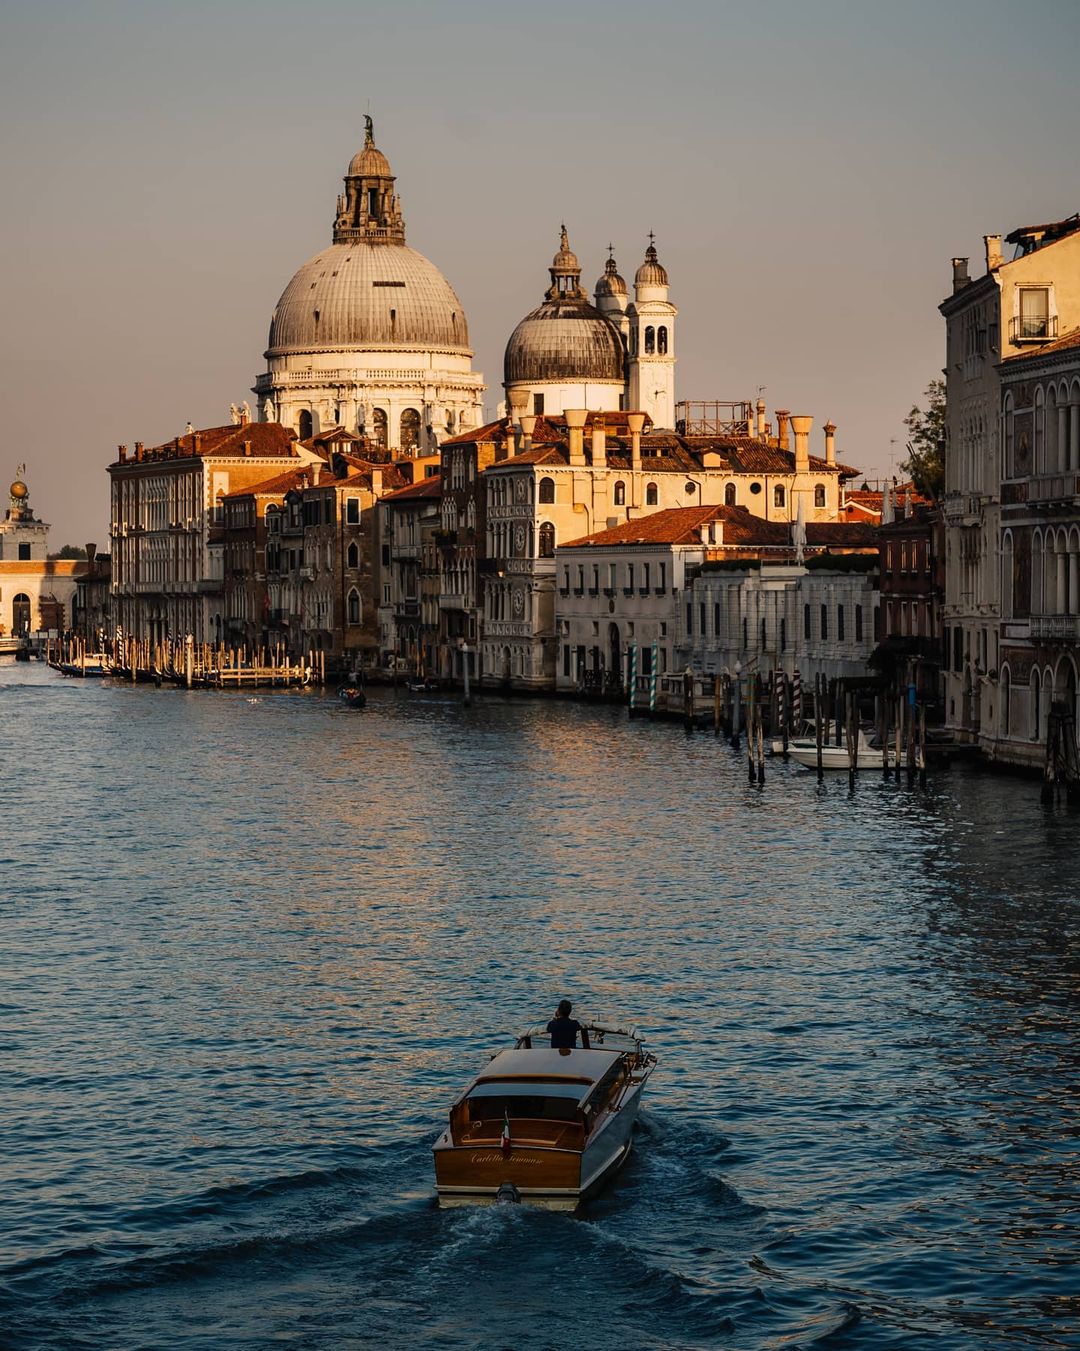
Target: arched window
(819, 494)
(661, 340)
(729, 495)
(410, 429)
(633, 344)
(378, 427)
(650, 339)
(651, 495)
(20, 614)
(778, 495)
(354, 556)
(620, 493)
(1005, 703)
(1040, 432)
(304, 425)
(547, 490)
(1010, 438)
(1007, 577)
(1036, 705)
(547, 540)
(354, 606)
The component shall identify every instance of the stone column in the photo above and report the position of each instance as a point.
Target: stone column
(1064, 445)
(1074, 582)
(1074, 436)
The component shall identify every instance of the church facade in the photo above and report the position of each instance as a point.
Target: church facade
(369, 335)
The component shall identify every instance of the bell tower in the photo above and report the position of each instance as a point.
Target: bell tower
(651, 319)
(368, 211)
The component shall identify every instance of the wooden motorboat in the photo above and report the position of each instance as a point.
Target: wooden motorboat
(541, 1126)
(352, 696)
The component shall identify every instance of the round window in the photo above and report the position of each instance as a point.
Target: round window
(755, 487)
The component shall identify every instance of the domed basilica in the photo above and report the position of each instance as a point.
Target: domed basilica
(614, 354)
(369, 335)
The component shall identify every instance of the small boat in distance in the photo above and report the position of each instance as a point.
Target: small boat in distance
(804, 751)
(541, 1126)
(352, 696)
(91, 664)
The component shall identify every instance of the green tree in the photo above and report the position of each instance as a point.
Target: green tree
(925, 464)
(70, 551)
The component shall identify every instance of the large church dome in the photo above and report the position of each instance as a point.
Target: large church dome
(358, 294)
(369, 335)
(565, 339)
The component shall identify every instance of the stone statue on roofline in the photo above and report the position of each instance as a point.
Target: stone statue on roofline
(234, 414)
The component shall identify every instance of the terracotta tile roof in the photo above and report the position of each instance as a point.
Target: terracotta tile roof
(675, 525)
(427, 488)
(266, 438)
(682, 525)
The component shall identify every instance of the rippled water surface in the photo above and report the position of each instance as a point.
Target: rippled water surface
(251, 948)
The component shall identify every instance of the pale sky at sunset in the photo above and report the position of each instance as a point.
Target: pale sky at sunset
(809, 170)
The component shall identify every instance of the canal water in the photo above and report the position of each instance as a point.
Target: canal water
(251, 946)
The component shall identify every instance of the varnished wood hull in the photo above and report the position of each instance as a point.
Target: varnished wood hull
(557, 1179)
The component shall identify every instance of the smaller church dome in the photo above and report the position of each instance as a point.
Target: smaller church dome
(369, 162)
(611, 284)
(651, 272)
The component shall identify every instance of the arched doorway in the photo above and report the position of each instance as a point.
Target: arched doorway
(615, 656)
(304, 425)
(507, 672)
(378, 427)
(20, 614)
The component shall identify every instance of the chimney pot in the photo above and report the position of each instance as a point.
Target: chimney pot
(960, 277)
(247, 449)
(122, 454)
(993, 252)
(528, 426)
(599, 443)
(760, 410)
(575, 422)
(782, 416)
(635, 421)
(830, 443)
(801, 425)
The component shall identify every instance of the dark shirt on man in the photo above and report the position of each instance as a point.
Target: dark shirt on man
(564, 1032)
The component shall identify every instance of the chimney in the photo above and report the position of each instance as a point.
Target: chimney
(830, 443)
(316, 470)
(575, 423)
(122, 454)
(801, 427)
(517, 401)
(528, 426)
(376, 483)
(138, 452)
(993, 252)
(247, 449)
(91, 555)
(635, 421)
(509, 444)
(599, 443)
(760, 418)
(960, 277)
(197, 442)
(782, 416)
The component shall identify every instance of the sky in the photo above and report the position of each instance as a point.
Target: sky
(809, 167)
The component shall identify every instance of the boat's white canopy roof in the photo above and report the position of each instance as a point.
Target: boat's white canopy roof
(544, 1063)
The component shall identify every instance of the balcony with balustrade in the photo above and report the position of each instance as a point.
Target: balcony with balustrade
(1053, 629)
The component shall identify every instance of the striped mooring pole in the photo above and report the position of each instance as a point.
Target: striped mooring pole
(633, 677)
(652, 677)
(796, 703)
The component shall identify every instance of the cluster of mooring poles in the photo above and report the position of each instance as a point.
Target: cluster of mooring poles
(194, 665)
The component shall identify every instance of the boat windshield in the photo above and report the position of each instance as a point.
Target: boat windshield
(538, 1102)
